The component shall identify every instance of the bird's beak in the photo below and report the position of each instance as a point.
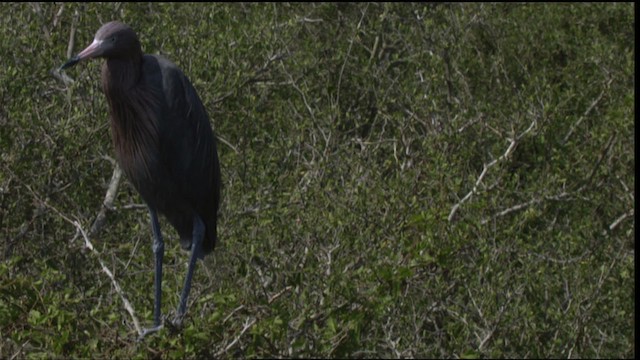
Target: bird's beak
(91, 51)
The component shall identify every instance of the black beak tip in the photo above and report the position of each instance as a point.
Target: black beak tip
(74, 60)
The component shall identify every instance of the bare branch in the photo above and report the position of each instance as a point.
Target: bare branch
(525, 205)
(107, 204)
(231, 314)
(276, 296)
(563, 261)
(72, 34)
(57, 16)
(105, 269)
(586, 113)
(620, 219)
(346, 58)
(328, 271)
(133, 207)
(469, 123)
(247, 325)
(62, 76)
(562, 196)
(503, 308)
(89, 245)
(253, 78)
(486, 167)
(56, 73)
(224, 141)
(602, 156)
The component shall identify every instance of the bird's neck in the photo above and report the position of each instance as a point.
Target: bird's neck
(131, 105)
(119, 76)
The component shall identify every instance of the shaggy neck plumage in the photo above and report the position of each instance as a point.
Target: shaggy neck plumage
(133, 123)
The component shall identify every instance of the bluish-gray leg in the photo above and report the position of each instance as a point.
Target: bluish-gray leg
(196, 247)
(158, 252)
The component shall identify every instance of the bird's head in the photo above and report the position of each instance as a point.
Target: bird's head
(114, 40)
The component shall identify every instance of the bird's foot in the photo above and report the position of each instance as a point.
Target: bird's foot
(147, 331)
(176, 323)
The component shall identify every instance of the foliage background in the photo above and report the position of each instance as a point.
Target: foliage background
(399, 180)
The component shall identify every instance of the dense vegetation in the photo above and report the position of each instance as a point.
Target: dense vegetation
(399, 180)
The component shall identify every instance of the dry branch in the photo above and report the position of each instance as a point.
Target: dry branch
(254, 78)
(586, 113)
(486, 167)
(346, 58)
(89, 245)
(604, 153)
(525, 205)
(56, 17)
(247, 325)
(72, 34)
(62, 76)
(105, 269)
(276, 296)
(620, 219)
(107, 204)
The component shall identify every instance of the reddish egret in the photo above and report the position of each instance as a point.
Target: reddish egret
(164, 143)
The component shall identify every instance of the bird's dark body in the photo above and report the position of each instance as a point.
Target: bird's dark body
(164, 144)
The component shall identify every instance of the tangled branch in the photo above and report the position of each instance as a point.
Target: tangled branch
(486, 167)
(105, 269)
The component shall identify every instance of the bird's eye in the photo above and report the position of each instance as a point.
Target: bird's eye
(113, 39)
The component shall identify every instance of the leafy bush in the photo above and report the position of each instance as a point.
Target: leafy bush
(399, 180)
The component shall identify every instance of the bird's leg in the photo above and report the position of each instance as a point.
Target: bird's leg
(158, 252)
(196, 247)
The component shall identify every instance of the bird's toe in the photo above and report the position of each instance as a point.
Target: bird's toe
(147, 331)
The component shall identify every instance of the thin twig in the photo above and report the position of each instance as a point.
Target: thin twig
(57, 16)
(308, 20)
(254, 78)
(602, 156)
(348, 53)
(231, 314)
(224, 141)
(62, 76)
(107, 204)
(72, 34)
(304, 98)
(563, 261)
(620, 219)
(595, 102)
(469, 123)
(105, 269)
(247, 325)
(133, 207)
(525, 205)
(276, 296)
(486, 167)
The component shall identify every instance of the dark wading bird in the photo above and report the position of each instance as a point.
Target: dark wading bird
(164, 143)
